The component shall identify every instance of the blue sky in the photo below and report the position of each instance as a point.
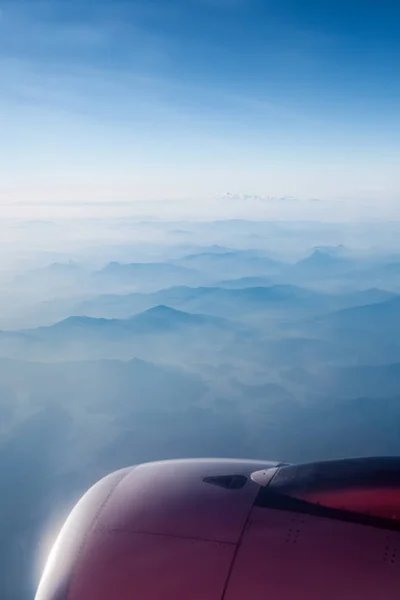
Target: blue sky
(149, 99)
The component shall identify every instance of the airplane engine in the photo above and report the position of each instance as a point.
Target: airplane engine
(233, 529)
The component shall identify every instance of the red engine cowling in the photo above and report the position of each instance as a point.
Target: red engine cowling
(231, 529)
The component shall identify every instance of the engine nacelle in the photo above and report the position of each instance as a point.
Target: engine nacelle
(233, 529)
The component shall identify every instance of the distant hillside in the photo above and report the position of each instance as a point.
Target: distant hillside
(383, 274)
(245, 282)
(336, 251)
(88, 337)
(232, 264)
(147, 275)
(129, 270)
(351, 382)
(164, 317)
(94, 382)
(232, 302)
(368, 296)
(55, 270)
(381, 317)
(225, 302)
(153, 320)
(364, 272)
(55, 278)
(324, 263)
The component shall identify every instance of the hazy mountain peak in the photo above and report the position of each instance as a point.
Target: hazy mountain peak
(318, 255)
(339, 250)
(322, 259)
(164, 311)
(74, 322)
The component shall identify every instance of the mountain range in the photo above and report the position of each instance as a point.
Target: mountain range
(234, 302)
(88, 337)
